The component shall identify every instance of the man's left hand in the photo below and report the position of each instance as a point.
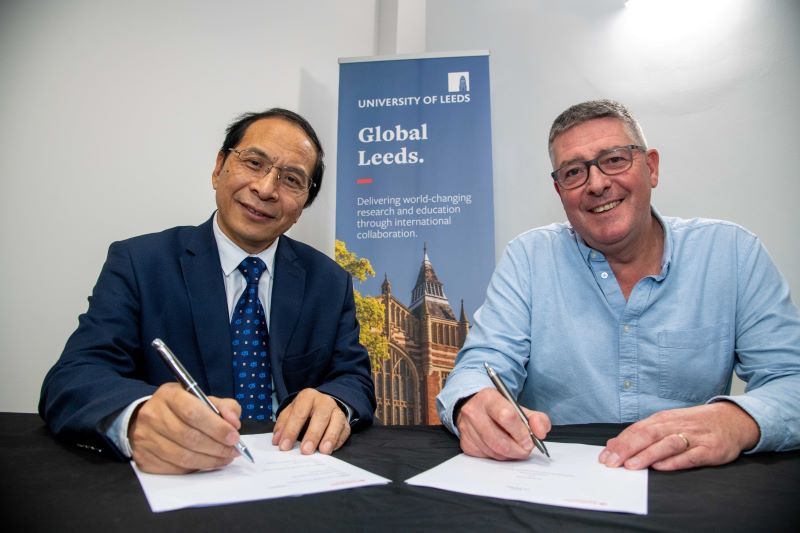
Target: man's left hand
(327, 429)
(677, 439)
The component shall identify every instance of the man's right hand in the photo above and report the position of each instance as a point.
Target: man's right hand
(490, 427)
(175, 433)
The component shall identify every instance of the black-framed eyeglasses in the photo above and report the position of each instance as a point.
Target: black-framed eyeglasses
(612, 161)
(259, 166)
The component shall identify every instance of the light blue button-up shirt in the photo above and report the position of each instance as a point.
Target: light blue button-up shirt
(557, 327)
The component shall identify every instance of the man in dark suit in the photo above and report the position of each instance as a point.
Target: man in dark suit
(110, 391)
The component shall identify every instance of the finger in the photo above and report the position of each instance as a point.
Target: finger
(336, 426)
(161, 441)
(195, 417)
(539, 422)
(633, 440)
(471, 448)
(277, 430)
(296, 419)
(152, 464)
(321, 417)
(485, 423)
(230, 410)
(147, 443)
(503, 414)
(166, 435)
(182, 460)
(163, 417)
(691, 458)
(152, 422)
(472, 444)
(469, 438)
(669, 446)
(344, 435)
(491, 440)
(159, 453)
(470, 441)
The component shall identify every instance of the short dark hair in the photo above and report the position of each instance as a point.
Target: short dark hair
(586, 111)
(236, 130)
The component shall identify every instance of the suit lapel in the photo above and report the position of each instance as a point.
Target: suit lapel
(288, 290)
(202, 274)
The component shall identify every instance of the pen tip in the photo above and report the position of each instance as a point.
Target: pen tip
(249, 456)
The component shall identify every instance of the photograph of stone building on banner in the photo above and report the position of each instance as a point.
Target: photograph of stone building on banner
(424, 339)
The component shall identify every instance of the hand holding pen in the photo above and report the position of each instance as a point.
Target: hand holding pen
(189, 383)
(488, 428)
(173, 433)
(501, 387)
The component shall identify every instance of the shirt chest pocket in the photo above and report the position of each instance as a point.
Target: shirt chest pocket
(694, 364)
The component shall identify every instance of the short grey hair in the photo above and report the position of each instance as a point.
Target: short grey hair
(586, 111)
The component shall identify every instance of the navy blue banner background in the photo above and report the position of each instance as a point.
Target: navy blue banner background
(414, 168)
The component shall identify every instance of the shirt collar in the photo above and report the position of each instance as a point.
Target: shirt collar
(230, 255)
(590, 254)
(666, 258)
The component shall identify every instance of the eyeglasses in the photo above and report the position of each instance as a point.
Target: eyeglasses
(612, 161)
(258, 166)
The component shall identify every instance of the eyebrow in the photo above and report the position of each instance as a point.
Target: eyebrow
(597, 154)
(571, 161)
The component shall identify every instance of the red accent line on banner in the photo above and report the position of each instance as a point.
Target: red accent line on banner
(363, 181)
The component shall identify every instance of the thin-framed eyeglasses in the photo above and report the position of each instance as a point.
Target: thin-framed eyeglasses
(610, 162)
(258, 166)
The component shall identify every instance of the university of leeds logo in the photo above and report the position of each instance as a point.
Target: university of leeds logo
(458, 82)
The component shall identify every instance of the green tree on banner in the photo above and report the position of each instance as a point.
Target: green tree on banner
(370, 311)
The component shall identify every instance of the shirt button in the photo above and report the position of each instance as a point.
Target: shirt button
(604, 275)
(626, 384)
(626, 328)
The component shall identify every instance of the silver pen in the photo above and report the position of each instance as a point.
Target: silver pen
(188, 382)
(501, 387)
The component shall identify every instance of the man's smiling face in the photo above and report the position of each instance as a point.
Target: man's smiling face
(254, 212)
(611, 213)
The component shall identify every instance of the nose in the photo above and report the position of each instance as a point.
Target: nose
(267, 185)
(597, 182)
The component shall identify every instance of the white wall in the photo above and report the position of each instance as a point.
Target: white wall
(112, 113)
(714, 83)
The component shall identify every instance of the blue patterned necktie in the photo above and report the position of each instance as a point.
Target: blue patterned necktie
(251, 380)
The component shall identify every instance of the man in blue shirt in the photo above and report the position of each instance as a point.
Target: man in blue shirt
(624, 315)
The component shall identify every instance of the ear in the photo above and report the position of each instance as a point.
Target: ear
(652, 164)
(215, 175)
(555, 186)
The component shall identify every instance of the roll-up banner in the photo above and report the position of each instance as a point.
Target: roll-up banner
(414, 215)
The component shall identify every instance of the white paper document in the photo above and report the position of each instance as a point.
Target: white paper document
(275, 474)
(572, 478)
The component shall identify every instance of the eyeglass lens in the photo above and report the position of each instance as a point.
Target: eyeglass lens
(612, 162)
(259, 166)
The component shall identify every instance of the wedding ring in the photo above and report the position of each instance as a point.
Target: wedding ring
(685, 439)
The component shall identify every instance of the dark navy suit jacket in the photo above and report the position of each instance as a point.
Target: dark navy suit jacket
(170, 285)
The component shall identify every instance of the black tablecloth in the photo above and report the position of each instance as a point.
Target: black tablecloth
(50, 486)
